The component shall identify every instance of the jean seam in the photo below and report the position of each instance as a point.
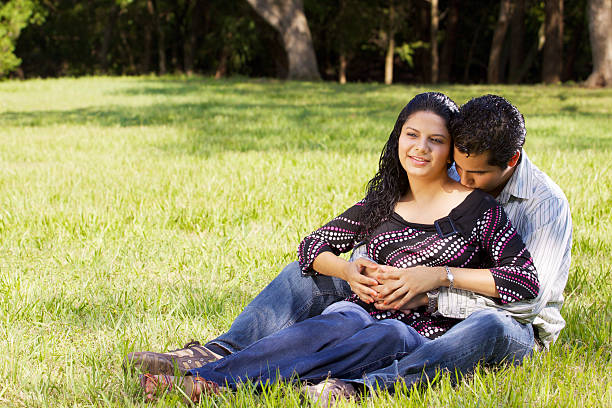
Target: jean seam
(361, 367)
(292, 320)
(308, 305)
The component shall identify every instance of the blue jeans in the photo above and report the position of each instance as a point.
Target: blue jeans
(344, 341)
(490, 337)
(288, 299)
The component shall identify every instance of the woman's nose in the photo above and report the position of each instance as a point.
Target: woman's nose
(421, 144)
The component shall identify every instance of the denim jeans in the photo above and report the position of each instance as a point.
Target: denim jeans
(487, 337)
(490, 337)
(344, 341)
(288, 299)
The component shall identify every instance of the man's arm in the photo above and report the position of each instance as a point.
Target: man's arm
(549, 243)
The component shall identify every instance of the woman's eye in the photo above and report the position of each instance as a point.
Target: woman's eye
(410, 134)
(437, 140)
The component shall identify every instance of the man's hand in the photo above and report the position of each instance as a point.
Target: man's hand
(406, 288)
(358, 274)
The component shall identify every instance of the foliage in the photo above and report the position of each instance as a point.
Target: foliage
(122, 37)
(14, 16)
(139, 213)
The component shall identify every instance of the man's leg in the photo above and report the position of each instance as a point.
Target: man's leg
(288, 299)
(487, 336)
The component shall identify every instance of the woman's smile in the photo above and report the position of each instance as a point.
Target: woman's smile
(419, 161)
(424, 145)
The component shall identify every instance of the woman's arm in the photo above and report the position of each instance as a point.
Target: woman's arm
(354, 273)
(318, 253)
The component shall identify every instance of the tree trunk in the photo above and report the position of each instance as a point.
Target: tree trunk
(552, 62)
(470, 56)
(390, 46)
(161, 39)
(287, 17)
(517, 37)
(435, 19)
(600, 32)
(190, 36)
(342, 70)
(505, 13)
(222, 67)
(107, 37)
(448, 49)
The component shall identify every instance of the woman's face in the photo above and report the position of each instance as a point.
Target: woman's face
(424, 145)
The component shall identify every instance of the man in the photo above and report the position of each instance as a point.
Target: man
(489, 136)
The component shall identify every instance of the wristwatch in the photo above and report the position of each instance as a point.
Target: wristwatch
(450, 277)
(432, 301)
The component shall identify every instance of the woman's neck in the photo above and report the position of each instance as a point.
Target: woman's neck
(425, 190)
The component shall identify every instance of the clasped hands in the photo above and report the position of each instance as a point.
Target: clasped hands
(388, 287)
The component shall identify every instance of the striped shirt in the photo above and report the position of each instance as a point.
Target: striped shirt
(540, 212)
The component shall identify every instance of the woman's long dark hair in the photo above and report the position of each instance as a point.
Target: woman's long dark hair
(391, 181)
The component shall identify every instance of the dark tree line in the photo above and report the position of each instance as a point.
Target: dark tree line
(427, 41)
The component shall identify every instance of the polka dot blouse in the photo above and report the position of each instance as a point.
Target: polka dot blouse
(476, 234)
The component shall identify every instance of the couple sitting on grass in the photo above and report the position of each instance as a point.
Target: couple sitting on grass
(442, 277)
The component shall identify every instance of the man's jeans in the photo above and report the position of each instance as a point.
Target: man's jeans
(344, 341)
(488, 337)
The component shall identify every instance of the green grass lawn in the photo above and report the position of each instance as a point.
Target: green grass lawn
(139, 213)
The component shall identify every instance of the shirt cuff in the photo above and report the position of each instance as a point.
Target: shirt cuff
(458, 303)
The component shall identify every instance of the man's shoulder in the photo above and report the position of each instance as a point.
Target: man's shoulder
(543, 189)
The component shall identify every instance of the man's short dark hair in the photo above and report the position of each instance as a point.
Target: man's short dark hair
(489, 123)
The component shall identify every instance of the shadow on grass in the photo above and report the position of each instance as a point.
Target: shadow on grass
(215, 126)
(264, 115)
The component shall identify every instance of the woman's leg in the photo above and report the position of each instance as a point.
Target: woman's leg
(344, 341)
(288, 299)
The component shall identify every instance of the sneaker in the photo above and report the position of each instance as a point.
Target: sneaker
(193, 355)
(327, 392)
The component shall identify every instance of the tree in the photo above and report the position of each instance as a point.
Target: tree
(287, 17)
(600, 33)
(390, 36)
(435, 19)
(552, 62)
(494, 67)
(14, 16)
(450, 41)
(517, 38)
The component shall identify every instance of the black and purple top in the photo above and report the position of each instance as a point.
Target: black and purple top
(476, 234)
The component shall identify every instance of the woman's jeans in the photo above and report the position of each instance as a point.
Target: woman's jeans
(490, 337)
(344, 341)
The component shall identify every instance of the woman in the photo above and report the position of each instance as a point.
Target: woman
(413, 215)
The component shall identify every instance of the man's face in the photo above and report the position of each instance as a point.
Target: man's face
(476, 172)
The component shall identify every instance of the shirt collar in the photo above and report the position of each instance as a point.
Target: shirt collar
(519, 185)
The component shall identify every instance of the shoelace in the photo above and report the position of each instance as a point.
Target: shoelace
(192, 343)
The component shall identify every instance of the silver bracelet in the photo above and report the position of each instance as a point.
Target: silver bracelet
(450, 277)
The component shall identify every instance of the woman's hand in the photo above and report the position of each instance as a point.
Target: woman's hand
(407, 288)
(414, 303)
(358, 274)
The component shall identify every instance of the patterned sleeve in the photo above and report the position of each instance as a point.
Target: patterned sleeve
(337, 236)
(513, 269)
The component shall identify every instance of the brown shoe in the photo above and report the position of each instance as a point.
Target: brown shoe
(192, 386)
(326, 393)
(193, 355)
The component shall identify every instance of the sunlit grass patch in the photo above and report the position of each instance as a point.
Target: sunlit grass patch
(140, 213)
